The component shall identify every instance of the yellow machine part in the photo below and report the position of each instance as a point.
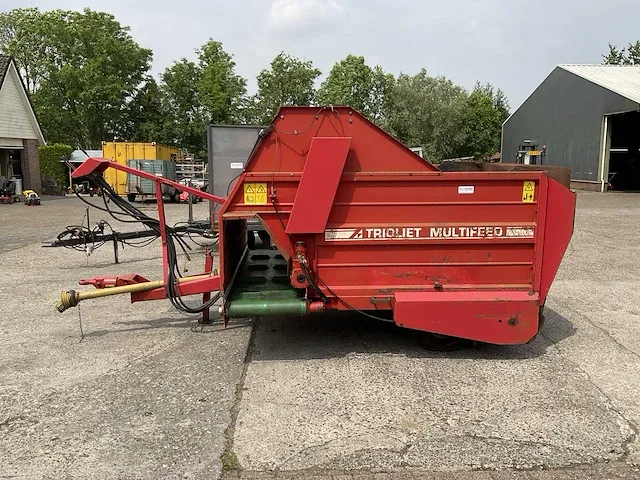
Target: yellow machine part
(123, 151)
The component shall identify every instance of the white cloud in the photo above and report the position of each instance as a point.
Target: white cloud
(297, 14)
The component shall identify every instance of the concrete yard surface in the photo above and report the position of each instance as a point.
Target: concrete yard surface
(151, 394)
(336, 395)
(146, 394)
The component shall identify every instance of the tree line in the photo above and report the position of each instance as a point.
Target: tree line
(623, 56)
(90, 81)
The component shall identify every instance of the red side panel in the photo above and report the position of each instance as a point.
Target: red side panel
(318, 185)
(465, 254)
(497, 316)
(558, 230)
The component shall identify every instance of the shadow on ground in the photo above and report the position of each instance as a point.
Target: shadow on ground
(76, 262)
(338, 335)
(190, 323)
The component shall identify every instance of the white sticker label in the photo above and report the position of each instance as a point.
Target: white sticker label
(520, 232)
(237, 165)
(466, 189)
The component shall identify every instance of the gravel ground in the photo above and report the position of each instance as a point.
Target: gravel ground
(149, 394)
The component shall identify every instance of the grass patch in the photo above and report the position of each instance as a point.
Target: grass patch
(230, 462)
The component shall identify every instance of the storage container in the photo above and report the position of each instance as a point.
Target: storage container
(137, 186)
(123, 151)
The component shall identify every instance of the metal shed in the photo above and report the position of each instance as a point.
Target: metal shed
(583, 117)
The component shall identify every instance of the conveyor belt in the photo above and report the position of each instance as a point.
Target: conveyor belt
(263, 288)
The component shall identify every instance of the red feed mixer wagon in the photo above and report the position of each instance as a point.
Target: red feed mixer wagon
(357, 221)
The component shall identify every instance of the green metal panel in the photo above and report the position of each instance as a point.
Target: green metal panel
(160, 168)
(263, 288)
(266, 304)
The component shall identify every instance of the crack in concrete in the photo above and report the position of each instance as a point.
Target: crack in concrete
(530, 443)
(626, 444)
(582, 458)
(319, 446)
(228, 457)
(327, 467)
(154, 349)
(328, 412)
(599, 328)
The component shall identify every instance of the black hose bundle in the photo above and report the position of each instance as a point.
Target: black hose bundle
(88, 236)
(130, 214)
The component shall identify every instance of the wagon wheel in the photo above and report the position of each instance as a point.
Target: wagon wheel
(441, 343)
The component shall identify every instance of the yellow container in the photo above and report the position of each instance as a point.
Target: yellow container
(123, 151)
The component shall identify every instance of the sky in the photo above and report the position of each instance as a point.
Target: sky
(511, 44)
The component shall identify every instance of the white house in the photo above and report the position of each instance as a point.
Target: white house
(20, 132)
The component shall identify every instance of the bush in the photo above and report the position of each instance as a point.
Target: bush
(50, 165)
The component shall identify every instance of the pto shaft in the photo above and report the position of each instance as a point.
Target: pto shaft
(71, 298)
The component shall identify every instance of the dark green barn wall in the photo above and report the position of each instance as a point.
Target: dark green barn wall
(565, 113)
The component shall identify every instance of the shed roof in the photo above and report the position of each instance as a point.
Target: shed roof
(79, 156)
(621, 79)
(7, 63)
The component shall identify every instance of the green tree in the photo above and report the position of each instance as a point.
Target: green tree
(625, 56)
(186, 118)
(289, 81)
(349, 83)
(84, 73)
(633, 53)
(24, 36)
(382, 85)
(197, 94)
(484, 112)
(221, 91)
(426, 112)
(147, 115)
(354, 83)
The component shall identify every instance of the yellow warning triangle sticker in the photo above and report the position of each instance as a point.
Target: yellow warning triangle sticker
(528, 186)
(261, 188)
(249, 188)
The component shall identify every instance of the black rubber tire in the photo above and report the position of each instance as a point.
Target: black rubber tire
(131, 197)
(441, 343)
(251, 239)
(173, 198)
